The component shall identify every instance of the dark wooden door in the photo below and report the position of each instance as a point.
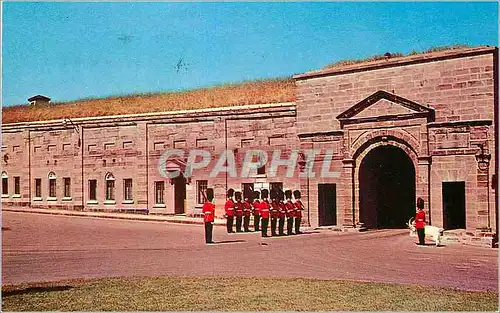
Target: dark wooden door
(327, 204)
(453, 205)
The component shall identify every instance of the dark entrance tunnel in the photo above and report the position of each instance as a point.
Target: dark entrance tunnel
(386, 188)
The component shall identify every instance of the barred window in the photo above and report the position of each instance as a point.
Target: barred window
(127, 189)
(52, 185)
(67, 187)
(17, 185)
(201, 186)
(159, 191)
(110, 187)
(38, 187)
(92, 189)
(5, 184)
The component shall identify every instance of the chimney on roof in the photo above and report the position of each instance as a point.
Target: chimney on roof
(39, 100)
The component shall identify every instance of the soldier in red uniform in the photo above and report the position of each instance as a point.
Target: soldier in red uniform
(264, 212)
(247, 211)
(420, 221)
(290, 212)
(229, 208)
(298, 211)
(274, 211)
(281, 213)
(256, 209)
(209, 215)
(238, 211)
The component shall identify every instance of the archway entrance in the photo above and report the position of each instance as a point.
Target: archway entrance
(386, 188)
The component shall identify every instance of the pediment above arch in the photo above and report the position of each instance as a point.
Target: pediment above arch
(383, 106)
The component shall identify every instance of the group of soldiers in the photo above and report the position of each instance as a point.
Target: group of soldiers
(276, 205)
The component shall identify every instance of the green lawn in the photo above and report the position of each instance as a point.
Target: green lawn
(237, 294)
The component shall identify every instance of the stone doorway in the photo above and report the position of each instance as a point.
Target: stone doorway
(386, 188)
(179, 194)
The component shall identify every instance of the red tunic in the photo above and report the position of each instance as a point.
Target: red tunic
(229, 207)
(274, 210)
(420, 219)
(247, 208)
(281, 210)
(238, 209)
(208, 212)
(290, 209)
(264, 209)
(299, 208)
(256, 208)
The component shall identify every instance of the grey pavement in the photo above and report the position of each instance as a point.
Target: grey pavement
(42, 247)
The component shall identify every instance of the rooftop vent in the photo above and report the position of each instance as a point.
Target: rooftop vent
(39, 100)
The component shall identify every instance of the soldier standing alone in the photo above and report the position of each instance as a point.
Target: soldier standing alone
(229, 207)
(209, 215)
(298, 211)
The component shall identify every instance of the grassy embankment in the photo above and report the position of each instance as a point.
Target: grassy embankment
(238, 294)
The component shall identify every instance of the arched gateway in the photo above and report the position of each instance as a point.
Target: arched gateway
(386, 188)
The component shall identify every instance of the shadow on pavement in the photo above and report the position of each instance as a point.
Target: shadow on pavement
(35, 290)
(229, 241)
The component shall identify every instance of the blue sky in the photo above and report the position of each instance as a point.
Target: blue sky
(69, 51)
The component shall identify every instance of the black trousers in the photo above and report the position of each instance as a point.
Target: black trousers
(281, 226)
(421, 236)
(256, 222)
(297, 225)
(265, 222)
(246, 223)
(239, 219)
(289, 226)
(229, 224)
(208, 232)
(274, 221)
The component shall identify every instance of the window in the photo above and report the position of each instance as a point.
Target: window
(5, 184)
(247, 190)
(127, 189)
(38, 187)
(159, 191)
(67, 187)
(110, 187)
(93, 189)
(52, 185)
(278, 185)
(201, 186)
(17, 185)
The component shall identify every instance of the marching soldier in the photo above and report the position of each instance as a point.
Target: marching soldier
(290, 212)
(247, 211)
(298, 211)
(274, 211)
(264, 212)
(256, 209)
(281, 212)
(209, 215)
(229, 208)
(238, 211)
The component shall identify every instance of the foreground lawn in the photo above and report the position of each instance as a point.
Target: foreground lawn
(237, 294)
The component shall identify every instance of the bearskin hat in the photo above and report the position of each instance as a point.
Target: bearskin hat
(256, 194)
(237, 195)
(296, 194)
(288, 194)
(280, 194)
(230, 192)
(265, 193)
(210, 194)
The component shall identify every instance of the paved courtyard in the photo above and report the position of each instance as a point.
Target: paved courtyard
(40, 247)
